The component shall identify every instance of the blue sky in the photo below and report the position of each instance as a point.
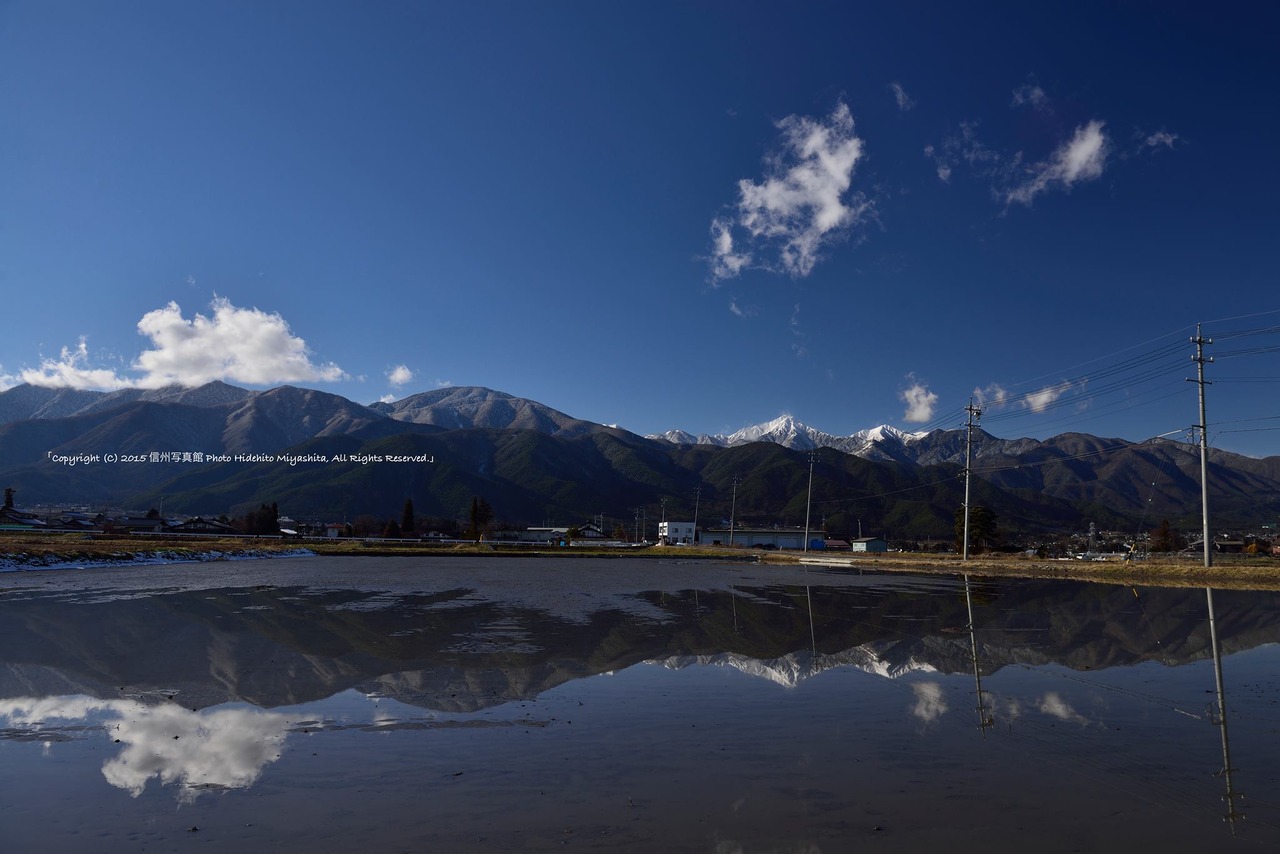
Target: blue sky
(659, 215)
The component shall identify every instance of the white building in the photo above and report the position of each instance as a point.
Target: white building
(671, 533)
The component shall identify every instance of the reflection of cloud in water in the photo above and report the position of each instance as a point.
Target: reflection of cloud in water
(930, 704)
(31, 711)
(225, 748)
(1052, 704)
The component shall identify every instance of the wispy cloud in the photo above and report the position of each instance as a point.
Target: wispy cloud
(1082, 158)
(905, 101)
(1160, 138)
(798, 346)
(993, 395)
(1038, 401)
(1030, 95)
(237, 344)
(801, 203)
(444, 383)
(725, 262)
(399, 375)
(8, 381)
(920, 402)
(964, 147)
(1015, 178)
(71, 370)
(742, 310)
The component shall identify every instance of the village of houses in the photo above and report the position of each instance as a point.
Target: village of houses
(668, 533)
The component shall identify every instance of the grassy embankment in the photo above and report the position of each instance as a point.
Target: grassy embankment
(40, 549)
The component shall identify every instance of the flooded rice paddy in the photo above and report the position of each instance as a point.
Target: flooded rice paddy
(471, 704)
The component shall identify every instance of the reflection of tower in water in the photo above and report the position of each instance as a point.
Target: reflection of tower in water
(1219, 718)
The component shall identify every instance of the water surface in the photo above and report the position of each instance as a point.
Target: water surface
(335, 704)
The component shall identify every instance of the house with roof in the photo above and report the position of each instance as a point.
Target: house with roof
(12, 518)
(200, 525)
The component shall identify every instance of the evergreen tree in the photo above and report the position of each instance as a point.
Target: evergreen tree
(480, 516)
(983, 532)
(407, 525)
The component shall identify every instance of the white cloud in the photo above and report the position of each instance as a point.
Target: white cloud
(8, 381)
(1039, 401)
(800, 204)
(399, 375)
(905, 102)
(919, 400)
(387, 398)
(993, 395)
(741, 310)
(1082, 158)
(444, 383)
(1159, 138)
(71, 370)
(930, 704)
(237, 344)
(725, 263)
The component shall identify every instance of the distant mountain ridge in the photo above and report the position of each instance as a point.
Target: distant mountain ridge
(26, 402)
(539, 463)
(470, 407)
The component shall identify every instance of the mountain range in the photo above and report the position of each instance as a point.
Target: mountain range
(536, 465)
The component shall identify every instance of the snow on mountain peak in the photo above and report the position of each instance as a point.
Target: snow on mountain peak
(883, 442)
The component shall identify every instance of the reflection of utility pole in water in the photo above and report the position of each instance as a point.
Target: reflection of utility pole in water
(813, 638)
(985, 718)
(1221, 720)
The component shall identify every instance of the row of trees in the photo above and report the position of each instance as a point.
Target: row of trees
(479, 520)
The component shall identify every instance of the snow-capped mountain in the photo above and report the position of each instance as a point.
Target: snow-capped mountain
(877, 443)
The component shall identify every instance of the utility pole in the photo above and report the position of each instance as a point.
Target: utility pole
(974, 412)
(1199, 358)
(808, 502)
(733, 509)
(697, 499)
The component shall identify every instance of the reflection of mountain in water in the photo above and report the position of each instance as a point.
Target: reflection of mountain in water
(454, 652)
(792, 669)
